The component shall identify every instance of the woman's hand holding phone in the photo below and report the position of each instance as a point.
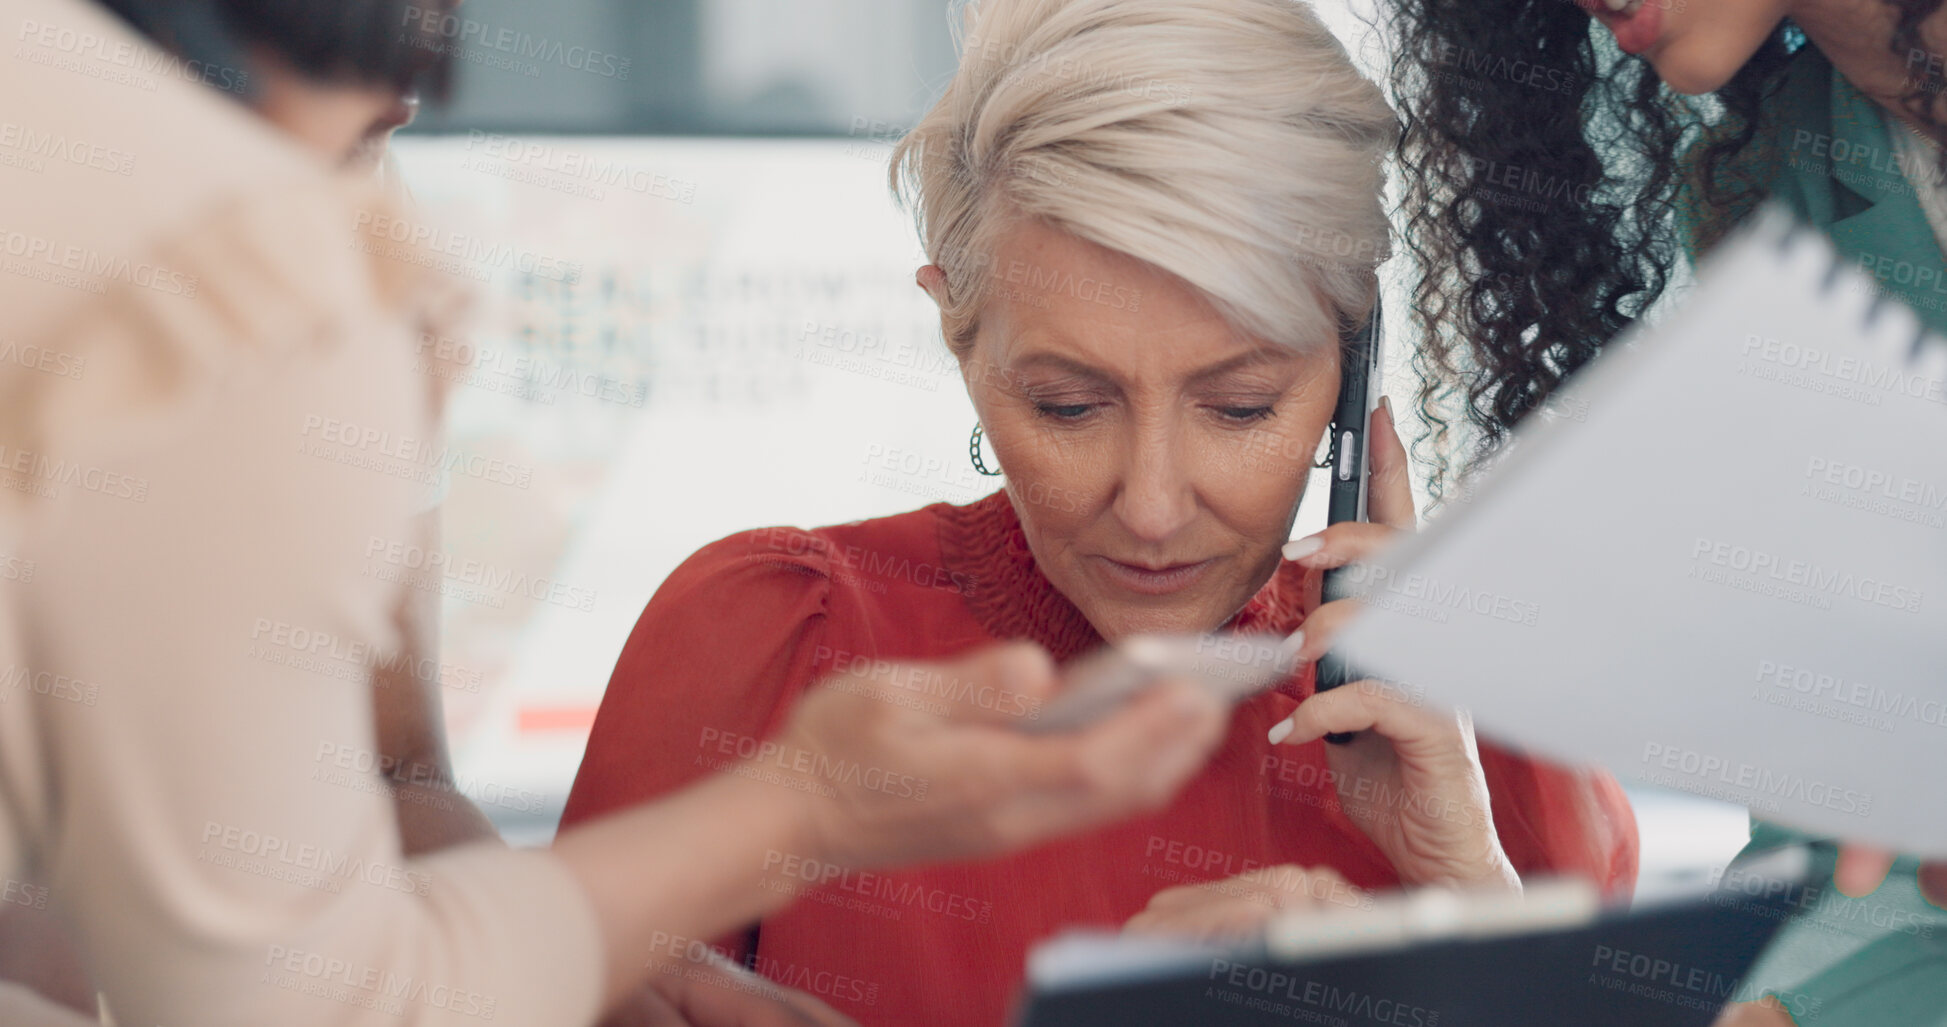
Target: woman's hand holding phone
(958, 777)
(894, 765)
(1412, 779)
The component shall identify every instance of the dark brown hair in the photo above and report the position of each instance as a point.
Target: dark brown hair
(394, 44)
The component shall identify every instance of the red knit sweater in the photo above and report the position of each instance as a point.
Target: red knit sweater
(738, 632)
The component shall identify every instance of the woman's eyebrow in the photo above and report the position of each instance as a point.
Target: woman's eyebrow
(1069, 365)
(1242, 361)
(1058, 362)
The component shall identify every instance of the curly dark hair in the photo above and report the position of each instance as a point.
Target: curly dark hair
(1543, 194)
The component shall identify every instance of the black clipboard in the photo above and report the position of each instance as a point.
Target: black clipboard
(1672, 966)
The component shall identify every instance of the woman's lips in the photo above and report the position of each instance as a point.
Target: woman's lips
(1154, 581)
(1638, 24)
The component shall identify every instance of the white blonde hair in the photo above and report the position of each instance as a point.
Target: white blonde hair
(1231, 143)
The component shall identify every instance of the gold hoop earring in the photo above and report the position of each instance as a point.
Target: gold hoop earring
(973, 450)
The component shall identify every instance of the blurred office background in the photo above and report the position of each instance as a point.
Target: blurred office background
(697, 315)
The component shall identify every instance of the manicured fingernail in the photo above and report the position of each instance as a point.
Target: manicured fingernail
(1281, 731)
(1386, 404)
(1298, 549)
(1288, 649)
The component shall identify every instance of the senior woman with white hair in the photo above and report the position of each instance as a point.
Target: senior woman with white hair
(1148, 223)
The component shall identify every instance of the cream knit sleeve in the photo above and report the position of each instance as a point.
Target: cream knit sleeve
(186, 740)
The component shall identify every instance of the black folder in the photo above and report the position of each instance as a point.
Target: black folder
(1673, 966)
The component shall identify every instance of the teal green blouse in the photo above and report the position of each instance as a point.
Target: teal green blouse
(1828, 152)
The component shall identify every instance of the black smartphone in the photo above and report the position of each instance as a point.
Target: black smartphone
(1360, 386)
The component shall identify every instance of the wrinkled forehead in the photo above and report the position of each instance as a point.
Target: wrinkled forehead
(1040, 282)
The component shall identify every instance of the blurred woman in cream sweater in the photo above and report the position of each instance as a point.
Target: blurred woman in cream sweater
(180, 526)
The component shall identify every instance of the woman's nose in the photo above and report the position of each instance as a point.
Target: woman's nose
(1156, 497)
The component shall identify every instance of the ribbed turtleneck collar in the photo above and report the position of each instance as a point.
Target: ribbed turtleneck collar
(1011, 598)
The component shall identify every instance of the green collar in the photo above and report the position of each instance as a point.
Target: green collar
(1842, 172)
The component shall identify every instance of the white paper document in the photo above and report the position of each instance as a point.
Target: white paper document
(1720, 566)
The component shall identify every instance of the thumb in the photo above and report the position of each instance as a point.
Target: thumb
(1933, 883)
(1389, 497)
(1860, 870)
